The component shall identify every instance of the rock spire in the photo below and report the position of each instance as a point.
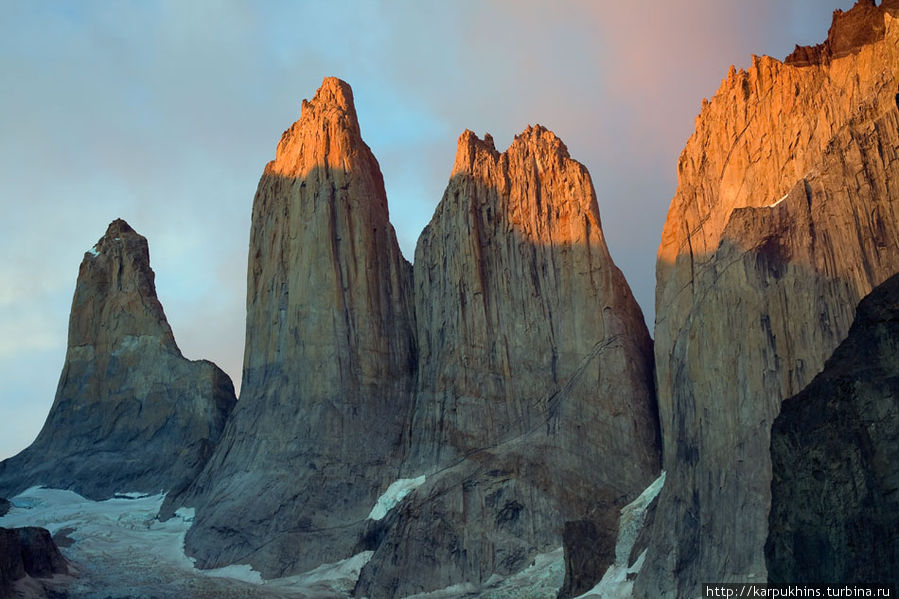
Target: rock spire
(534, 402)
(130, 413)
(329, 358)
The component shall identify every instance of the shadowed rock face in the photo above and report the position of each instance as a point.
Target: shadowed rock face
(534, 398)
(28, 552)
(850, 31)
(130, 413)
(589, 549)
(329, 358)
(835, 454)
(784, 217)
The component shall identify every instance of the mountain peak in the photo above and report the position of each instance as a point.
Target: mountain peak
(117, 231)
(542, 140)
(861, 25)
(536, 140)
(327, 134)
(471, 150)
(118, 227)
(130, 412)
(329, 337)
(333, 95)
(116, 292)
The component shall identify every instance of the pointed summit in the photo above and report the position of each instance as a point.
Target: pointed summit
(472, 150)
(326, 136)
(533, 180)
(515, 252)
(334, 95)
(130, 413)
(116, 293)
(538, 136)
(117, 228)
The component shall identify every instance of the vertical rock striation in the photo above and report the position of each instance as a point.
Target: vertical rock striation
(130, 413)
(534, 399)
(835, 457)
(329, 358)
(784, 217)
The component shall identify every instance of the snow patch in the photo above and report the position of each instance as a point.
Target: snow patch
(343, 574)
(617, 582)
(778, 201)
(394, 494)
(121, 545)
(94, 251)
(185, 513)
(244, 572)
(540, 580)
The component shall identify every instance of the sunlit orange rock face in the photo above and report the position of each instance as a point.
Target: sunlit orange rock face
(534, 401)
(329, 357)
(784, 217)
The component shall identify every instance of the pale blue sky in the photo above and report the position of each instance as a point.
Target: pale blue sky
(165, 113)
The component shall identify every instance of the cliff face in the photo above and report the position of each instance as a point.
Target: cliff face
(835, 454)
(784, 217)
(534, 398)
(328, 362)
(130, 413)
